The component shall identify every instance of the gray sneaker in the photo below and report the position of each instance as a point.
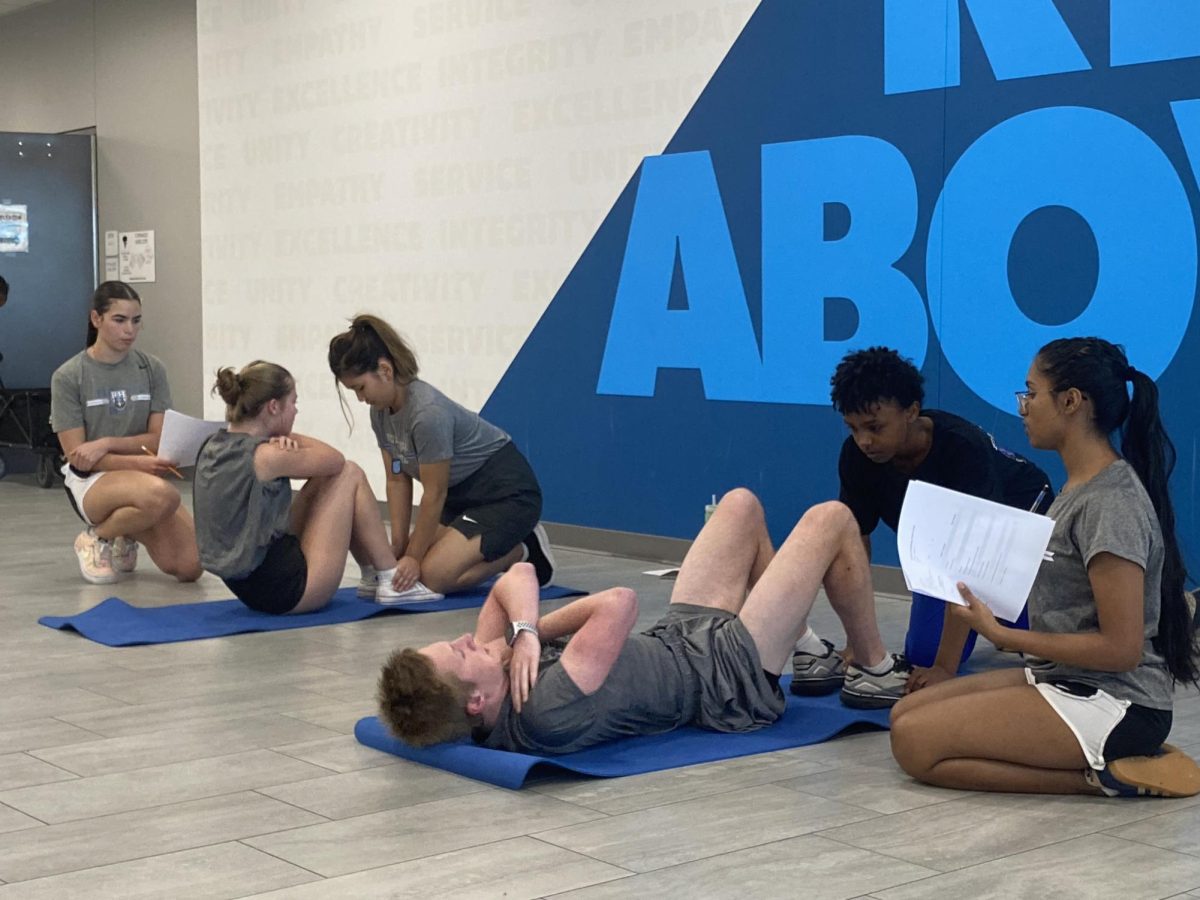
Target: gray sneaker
(863, 690)
(813, 675)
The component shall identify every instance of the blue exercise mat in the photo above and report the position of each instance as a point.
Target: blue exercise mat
(807, 720)
(117, 624)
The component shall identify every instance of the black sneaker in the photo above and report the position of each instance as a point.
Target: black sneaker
(865, 690)
(816, 674)
(540, 554)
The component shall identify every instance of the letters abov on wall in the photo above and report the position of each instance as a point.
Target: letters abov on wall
(962, 180)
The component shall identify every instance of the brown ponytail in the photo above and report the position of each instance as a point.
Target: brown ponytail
(246, 392)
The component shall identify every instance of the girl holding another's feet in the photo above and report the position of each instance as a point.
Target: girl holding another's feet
(276, 555)
(107, 405)
(480, 500)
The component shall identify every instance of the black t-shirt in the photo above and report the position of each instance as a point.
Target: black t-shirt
(962, 457)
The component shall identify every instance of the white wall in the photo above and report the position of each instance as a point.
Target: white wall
(442, 164)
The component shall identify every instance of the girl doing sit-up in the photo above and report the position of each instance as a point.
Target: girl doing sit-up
(279, 556)
(1109, 630)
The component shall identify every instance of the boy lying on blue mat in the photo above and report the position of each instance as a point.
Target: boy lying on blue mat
(737, 610)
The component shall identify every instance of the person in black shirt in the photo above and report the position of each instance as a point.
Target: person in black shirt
(893, 440)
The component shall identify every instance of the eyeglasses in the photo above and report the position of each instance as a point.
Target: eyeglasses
(1023, 397)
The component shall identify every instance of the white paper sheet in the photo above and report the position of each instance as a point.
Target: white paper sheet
(182, 436)
(662, 573)
(945, 537)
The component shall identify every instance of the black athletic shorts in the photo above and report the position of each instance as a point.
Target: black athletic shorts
(501, 501)
(277, 585)
(1141, 731)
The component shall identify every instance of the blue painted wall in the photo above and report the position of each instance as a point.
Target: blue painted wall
(962, 180)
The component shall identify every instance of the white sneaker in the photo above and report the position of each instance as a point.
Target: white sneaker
(95, 558)
(386, 595)
(366, 583)
(124, 554)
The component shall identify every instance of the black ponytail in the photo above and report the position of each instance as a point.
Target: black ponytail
(1101, 371)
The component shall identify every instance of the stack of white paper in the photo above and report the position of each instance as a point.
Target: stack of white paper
(182, 436)
(945, 537)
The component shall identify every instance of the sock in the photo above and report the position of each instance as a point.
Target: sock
(810, 642)
(385, 576)
(880, 668)
(367, 571)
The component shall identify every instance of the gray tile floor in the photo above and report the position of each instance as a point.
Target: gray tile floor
(227, 768)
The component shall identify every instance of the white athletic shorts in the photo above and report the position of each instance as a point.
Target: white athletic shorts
(1091, 719)
(78, 486)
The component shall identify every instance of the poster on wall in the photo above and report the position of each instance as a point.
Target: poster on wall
(136, 256)
(14, 228)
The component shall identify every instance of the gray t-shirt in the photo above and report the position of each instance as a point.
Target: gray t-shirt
(237, 516)
(645, 693)
(697, 665)
(431, 428)
(1111, 513)
(108, 399)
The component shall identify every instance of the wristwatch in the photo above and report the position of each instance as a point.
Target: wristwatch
(515, 628)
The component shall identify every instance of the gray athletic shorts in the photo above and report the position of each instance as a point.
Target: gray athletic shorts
(731, 690)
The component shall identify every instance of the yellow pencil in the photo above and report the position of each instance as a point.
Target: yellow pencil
(150, 452)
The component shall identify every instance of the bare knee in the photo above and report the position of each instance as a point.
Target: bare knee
(910, 747)
(160, 500)
(352, 471)
(182, 561)
(900, 709)
(742, 503)
(186, 571)
(830, 517)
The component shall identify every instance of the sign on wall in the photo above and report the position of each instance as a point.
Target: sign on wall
(14, 228)
(135, 255)
(964, 181)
